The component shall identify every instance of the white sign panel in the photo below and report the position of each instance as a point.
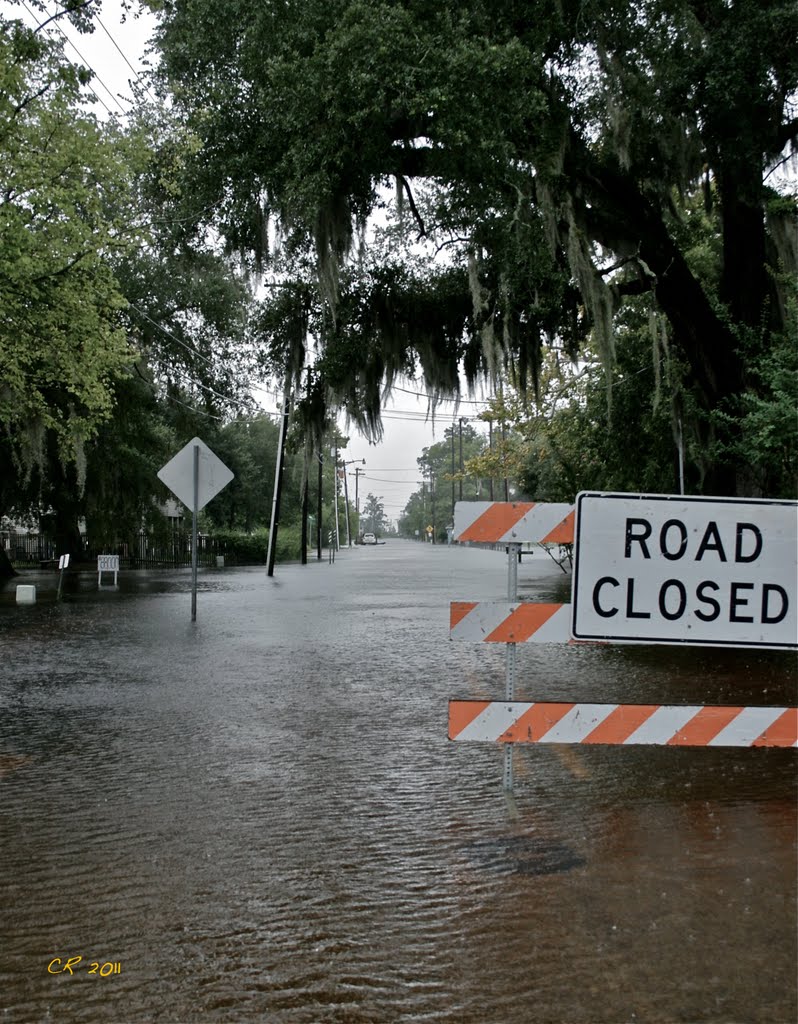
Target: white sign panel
(670, 569)
(178, 474)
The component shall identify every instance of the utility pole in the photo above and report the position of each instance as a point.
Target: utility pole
(490, 446)
(320, 457)
(346, 506)
(432, 498)
(335, 477)
(358, 471)
(504, 461)
(303, 558)
(278, 479)
(453, 473)
(461, 421)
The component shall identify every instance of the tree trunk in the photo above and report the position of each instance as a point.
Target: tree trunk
(623, 219)
(7, 570)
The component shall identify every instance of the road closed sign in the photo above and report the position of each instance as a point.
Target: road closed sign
(670, 569)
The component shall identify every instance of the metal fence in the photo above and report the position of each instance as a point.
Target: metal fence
(31, 550)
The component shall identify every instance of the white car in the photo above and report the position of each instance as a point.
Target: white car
(369, 538)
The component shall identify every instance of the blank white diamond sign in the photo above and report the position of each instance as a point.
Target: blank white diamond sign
(178, 474)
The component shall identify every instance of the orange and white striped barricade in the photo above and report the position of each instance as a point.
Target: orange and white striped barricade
(514, 522)
(622, 724)
(503, 622)
(512, 622)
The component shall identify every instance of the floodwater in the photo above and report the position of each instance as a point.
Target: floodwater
(258, 817)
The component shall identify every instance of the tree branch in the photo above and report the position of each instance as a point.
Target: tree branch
(60, 14)
(422, 231)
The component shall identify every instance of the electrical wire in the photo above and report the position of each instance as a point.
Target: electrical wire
(428, 396)
(169, 369)
(124, 58)
(114, 98)
(174, 337)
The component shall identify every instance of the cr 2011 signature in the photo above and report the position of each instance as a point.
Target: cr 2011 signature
(59, 966)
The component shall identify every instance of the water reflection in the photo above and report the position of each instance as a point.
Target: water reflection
(260, 817)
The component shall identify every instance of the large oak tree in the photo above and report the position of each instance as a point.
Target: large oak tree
(554, 143)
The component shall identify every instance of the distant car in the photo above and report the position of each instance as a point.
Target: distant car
(369, 538)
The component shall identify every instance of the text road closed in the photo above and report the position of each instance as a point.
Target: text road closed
(671, 569)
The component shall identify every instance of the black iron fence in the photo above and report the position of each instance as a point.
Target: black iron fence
(31, 550)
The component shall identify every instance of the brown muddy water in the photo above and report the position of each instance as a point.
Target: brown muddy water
(258, 817)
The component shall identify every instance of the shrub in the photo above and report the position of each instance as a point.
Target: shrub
(241, 548)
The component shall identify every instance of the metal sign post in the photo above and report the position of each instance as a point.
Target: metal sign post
(194, 536)
(509, 688)
(195, 475)
(63, 563)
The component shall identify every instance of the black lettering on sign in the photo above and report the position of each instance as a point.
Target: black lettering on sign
(605, 613)
(736, 600)
(676, 613)
(706, 599)
(666, 546)
(747, 556)
(767, 590)
(639, 537)
(630, 601)
(711, 542)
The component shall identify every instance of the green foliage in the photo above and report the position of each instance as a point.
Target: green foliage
(242, 548)
(443, 481)
(63, 215)
(373, 518)
(248, 446)
(289, 544)
(552, 150)
(766, 445)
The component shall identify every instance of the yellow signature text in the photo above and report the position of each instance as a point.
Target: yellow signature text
(69, 966)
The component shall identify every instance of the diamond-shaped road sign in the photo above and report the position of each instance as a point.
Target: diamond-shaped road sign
(178, 474)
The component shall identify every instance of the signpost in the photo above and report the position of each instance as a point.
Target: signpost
(195, 475)
(658, 569)
(63, 563)
(107, 563)
(717, 572)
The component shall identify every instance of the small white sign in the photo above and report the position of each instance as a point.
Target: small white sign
(670, 569)
(178, 474)
(63, 562)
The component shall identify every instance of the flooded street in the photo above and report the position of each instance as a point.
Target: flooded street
(259, 817)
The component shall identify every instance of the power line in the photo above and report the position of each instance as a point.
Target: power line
(99, 98)
(198, 384)
(124, 58)
(429, 397)
(86, 63)
(174, 337)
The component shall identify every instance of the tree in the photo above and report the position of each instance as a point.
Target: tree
(248, 446)
(444, 482)
(548, 145)
(66, 182)
(373, 515)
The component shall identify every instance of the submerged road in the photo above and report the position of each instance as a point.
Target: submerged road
(258, 816)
